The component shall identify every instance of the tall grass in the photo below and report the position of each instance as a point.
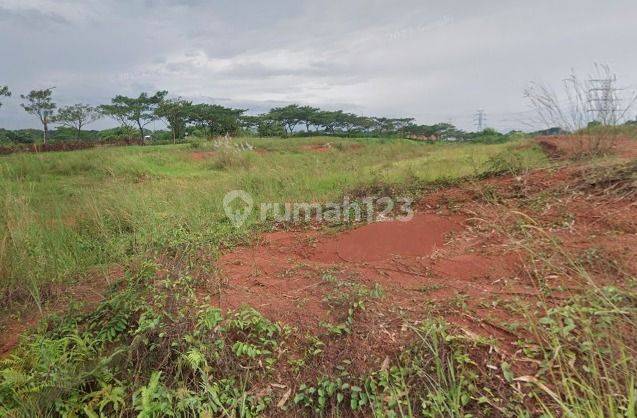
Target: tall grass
(62, 214)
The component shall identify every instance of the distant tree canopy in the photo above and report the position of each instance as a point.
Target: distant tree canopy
(215, 119)
(40, 103)
(288, 118)
(77, 116)
(139, 111)
(4, 91)
(185, 117)
(437, 131)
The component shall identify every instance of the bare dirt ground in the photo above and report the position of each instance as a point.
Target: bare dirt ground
(466, 256)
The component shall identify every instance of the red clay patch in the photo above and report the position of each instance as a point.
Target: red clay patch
(452, 260)
(283, 276)
(317, 147)
(384, 240)
(202, 155)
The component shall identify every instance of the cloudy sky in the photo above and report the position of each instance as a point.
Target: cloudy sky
(432, 60)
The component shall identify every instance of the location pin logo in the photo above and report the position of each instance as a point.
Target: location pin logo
(237, 212)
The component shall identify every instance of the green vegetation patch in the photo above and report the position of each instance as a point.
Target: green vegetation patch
(63, 214)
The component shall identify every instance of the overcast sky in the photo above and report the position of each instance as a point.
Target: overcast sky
(432, 60)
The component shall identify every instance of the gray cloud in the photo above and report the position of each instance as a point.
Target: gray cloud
(433, 60)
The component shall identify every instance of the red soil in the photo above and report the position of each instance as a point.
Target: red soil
(202, 155)
(451, 260)
(284, 275)
(383, 240)
(317, 147)
(568, 146)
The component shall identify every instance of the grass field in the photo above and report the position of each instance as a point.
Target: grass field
(65, 213)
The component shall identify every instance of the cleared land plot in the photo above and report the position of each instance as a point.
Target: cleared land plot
(508, 295)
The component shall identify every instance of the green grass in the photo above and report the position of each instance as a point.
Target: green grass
(63, 214)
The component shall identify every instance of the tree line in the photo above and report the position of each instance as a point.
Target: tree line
(213, 120)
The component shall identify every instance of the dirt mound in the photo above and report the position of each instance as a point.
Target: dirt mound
(477, 266)
(384, 240)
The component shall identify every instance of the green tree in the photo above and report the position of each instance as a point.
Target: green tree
(40, 103)
(4, 91)
(77, 116)
(327, 119)
(289, 116)
(346, 122)
(176, 113)
(250, 122)
(363, 124)
(139, 111)
(437, 131)
(269, 127)
(216, 119)
(306, 116)
(390, 126)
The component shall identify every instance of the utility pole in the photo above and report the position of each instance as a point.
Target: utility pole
(479, 118)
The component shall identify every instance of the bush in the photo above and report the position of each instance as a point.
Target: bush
(507, 162)
(22, 136)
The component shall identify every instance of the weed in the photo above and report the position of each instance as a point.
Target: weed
(145, 350)
(428, 288)
(434, 377)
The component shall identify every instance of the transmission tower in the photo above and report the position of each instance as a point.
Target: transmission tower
(603, 100)
(480, 118)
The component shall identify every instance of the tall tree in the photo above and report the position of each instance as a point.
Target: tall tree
(40, 103)
(218, 120)
(346, 122)
(4, 91)
(389, 125)
(136, 110)
(306, 115)
(289, 116)
(267, 126)
(77, 116)
(328, 119)
(437, 131)
(175, 112)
